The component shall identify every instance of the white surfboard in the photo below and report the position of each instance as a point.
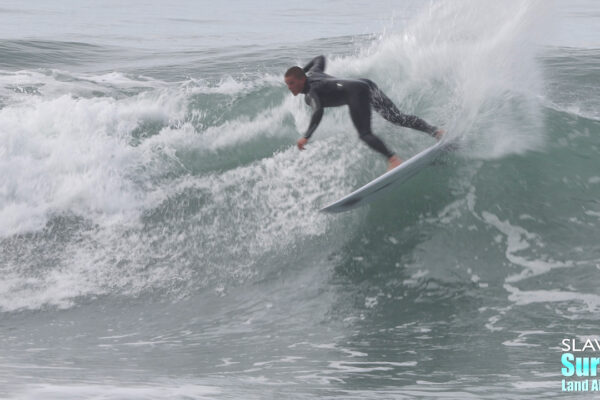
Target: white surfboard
(396, 176)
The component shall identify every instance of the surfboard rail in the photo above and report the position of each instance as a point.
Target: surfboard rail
(377, 186)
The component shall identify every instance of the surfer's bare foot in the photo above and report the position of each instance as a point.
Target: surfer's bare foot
(393, 162)
(438, 134)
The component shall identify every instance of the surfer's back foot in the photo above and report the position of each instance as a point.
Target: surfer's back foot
(393, 162)
(439, 134)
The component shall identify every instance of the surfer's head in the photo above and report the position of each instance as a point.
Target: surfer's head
(295, 78)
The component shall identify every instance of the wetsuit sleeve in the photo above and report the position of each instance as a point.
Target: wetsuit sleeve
(317, 64)
(315, 120)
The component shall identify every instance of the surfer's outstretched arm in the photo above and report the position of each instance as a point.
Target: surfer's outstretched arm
(315, 120)
(317, 64)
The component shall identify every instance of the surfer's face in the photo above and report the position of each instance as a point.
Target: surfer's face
(295, 84)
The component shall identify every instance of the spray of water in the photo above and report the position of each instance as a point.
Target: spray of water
(469, 66)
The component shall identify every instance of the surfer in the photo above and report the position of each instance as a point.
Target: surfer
(322, 90)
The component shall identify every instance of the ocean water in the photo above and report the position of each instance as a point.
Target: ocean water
(160, 235)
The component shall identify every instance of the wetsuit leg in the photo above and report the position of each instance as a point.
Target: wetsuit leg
(388, 110)
(359, 103)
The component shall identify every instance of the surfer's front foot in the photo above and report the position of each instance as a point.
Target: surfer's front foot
(439, 134)
(393, 162)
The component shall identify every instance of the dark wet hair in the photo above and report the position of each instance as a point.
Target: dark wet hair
(296, 72)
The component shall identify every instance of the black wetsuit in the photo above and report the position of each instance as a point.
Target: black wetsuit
(322, 90)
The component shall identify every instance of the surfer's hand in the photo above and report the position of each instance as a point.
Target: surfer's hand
(438, 134)
(301, 142)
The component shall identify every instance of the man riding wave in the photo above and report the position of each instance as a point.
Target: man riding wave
(322, 90)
